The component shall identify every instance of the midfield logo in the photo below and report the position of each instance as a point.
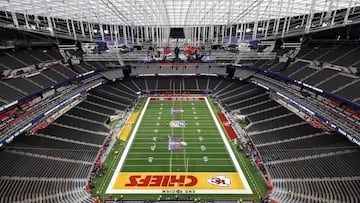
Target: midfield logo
(220, 181)
(177, 124)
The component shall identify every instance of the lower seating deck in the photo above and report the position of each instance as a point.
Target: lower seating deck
(285, 142)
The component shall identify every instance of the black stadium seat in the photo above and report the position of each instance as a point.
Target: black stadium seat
(60, 144)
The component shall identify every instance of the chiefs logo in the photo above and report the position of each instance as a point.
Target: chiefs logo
(220, 181)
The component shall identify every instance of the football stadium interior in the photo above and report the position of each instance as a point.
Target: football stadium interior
(134, 101)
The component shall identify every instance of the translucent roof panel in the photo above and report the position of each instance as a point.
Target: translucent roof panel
(173, 13)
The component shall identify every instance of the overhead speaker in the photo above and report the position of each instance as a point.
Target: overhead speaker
(215, 47)
(137, 47)
(230, 70)
(127, 71)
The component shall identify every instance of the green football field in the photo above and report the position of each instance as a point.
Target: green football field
(178, 147)
(200, 135)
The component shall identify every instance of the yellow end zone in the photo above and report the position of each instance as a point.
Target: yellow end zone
(229, 183)
(124, 134)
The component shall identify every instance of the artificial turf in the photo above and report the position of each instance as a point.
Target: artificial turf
(199, 130)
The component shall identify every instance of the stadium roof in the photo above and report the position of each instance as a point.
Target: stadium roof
(172, 13)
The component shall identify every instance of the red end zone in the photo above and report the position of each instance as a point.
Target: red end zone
(177, 99)
(227, 125)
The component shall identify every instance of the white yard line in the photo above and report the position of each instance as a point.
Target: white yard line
(127, 148)
(183, 136)
(187, 147)
(170, 161)
(150, 142)
(186, 153)
(144, 127)
(189, 138)
(228, 147)
(162, 165)
(172, 134)
(162, 159)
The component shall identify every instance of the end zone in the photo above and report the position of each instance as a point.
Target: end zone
(187, 183)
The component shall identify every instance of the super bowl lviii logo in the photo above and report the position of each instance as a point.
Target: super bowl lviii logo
(220, 181)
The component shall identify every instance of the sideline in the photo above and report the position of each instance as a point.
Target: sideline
(127, 148)
(230, 151)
